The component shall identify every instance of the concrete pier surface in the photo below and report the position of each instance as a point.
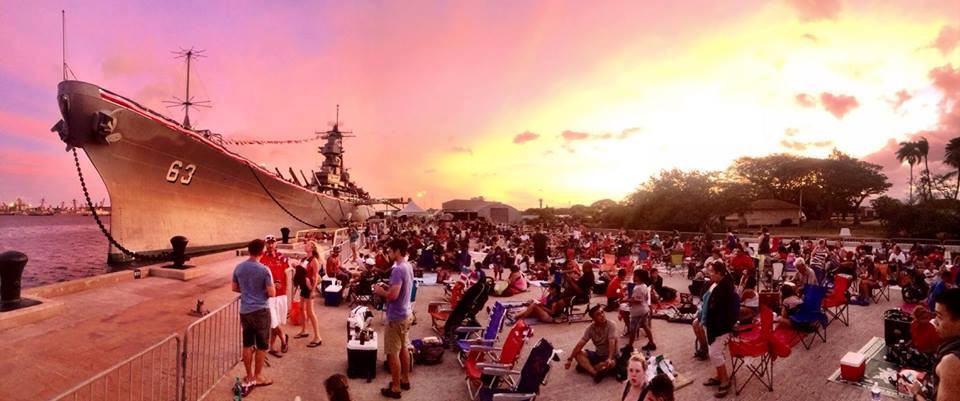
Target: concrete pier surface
(102, 326)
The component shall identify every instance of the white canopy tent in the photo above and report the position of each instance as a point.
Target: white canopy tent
(412, 210)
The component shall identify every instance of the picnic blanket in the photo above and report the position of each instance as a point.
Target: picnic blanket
(878, 370)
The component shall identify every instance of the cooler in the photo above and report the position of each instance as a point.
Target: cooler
(362, 358)
(896, 326)
(333, 294)
(852, 366)
(325, 281)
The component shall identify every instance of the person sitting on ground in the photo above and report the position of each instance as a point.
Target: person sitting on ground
(337, 387)
(664, 294)
(636, 386)
(516, 283)
(639, 301)
(603, 334)
(548, 311)
(615, 291)
(945, 380)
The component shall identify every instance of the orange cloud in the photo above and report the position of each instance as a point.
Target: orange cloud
(571, 136)
(902, 97)
(838, 105)
(525, 137)
(813, 10)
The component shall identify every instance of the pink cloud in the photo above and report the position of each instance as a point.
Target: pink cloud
(902, 97)
(838, 105)
(947, 40)
(813, 10)
(947, 79)
(805, 100)
(525, 137)
(571, 136)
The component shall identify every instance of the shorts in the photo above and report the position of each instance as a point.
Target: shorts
(718, 349)
(593, 357)
(278, 310)
(305, 292)
(395, 336)
(256, 328)
(639, 322)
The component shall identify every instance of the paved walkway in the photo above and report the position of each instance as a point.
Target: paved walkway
(802, 376)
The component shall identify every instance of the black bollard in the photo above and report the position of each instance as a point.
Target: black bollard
(11, 270)
(179, 251)
(285, 233)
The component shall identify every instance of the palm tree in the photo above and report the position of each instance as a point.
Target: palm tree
(952, 159)
(908, 152)
(923, 149)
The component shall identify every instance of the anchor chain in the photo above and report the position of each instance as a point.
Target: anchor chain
(83, 184)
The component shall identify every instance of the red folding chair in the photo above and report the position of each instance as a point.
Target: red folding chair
(440, 311)
(754, 344)
(505, 356)
(836, 305)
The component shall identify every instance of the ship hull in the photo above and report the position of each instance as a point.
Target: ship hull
(164, 181)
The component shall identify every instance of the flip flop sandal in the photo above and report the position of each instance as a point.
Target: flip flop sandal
(301, 335)
(404, 386)
(262, 384)
(389, 393)
(247, 388)
(286, 344)
(315, 344)
(713, 381)
(275, 354)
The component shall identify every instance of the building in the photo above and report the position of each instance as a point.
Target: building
(766, 212)
(469, 209)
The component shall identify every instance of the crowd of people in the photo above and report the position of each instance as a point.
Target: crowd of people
(572, 263)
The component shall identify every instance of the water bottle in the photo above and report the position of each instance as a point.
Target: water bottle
(237, 390)
(875, 392)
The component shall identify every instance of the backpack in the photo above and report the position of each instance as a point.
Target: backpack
(428, 351)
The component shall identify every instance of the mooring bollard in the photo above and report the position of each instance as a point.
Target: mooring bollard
(285, 234)
(11, 270)
(179, 251)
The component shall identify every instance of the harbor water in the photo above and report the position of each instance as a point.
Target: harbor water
(60, 248)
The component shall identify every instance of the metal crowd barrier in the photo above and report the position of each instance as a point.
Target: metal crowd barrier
(151, 375)
(212, 346)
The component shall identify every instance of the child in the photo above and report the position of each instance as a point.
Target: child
(640, 309)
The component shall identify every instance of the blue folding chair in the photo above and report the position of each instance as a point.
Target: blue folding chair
(490, 334)
(811, 315)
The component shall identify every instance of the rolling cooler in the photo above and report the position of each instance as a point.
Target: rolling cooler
(362, 356)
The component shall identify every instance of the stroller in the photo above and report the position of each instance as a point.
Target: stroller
(465, 313)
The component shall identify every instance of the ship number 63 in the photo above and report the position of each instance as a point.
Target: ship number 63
(173, 174)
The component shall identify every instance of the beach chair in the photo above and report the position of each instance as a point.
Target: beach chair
(811, 315)
(488, 356)
(751, 349)
(440, 311)
(522, 385)
(882, 291)
(837, 303)
(473, 334)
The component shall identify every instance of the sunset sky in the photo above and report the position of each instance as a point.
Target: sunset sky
(568, 101)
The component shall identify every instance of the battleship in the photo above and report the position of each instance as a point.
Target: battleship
(166, 179)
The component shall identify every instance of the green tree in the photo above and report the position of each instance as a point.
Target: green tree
(908, 152)
(692, 201)
(923, 150)
(847, 182)
(952, 159)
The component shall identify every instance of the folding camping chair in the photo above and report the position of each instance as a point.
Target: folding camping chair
(487, 356)
(473, 336)
(811, 315)
(837, 303)
(883, 284)
(440, 311)
(751, 349)
(526, 385)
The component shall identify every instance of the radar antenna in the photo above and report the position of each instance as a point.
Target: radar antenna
(188, 101)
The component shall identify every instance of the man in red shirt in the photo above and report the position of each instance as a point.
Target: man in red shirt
(615, 292)
(280, 304)
(741, 263)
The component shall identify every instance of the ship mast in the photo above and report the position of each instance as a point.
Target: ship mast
(332, 176)
(187, 102)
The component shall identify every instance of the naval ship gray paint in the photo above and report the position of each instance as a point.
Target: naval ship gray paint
(166, 180)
